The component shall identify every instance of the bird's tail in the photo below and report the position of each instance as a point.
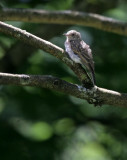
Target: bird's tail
(92, 74)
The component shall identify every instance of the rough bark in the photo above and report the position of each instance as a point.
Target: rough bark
(96, 95)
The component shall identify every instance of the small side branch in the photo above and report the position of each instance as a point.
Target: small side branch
(64, 17)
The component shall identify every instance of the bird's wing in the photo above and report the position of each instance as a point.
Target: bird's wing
(85, 54)
(83, 51)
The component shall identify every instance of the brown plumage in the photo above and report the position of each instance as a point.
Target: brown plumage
(79, 51)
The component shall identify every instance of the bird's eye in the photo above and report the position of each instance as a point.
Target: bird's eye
(73, 34)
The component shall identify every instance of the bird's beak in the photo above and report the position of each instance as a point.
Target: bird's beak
(65, 34)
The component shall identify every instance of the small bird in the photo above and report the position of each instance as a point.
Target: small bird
(79, 51)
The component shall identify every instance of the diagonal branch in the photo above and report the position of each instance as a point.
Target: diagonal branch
(47, 47)
(105, 96)
(64, 17)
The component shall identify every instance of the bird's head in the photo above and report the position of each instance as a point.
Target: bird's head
(73, 35)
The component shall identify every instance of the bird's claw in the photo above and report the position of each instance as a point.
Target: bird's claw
(93, 98)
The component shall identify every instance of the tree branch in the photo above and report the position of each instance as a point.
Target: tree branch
(64, 17)
(94, 95)
(44, 81)
(105, 96)
(47, 47)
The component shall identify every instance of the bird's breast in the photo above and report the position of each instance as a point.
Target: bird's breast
(72, 55)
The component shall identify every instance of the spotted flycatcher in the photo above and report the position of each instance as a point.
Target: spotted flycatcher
(79, 51)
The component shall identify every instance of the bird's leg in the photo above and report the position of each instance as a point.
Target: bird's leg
(93, 98)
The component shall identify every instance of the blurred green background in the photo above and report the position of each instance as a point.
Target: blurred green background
(43, 124)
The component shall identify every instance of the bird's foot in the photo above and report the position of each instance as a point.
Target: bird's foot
(93, 98)
(95, 101)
